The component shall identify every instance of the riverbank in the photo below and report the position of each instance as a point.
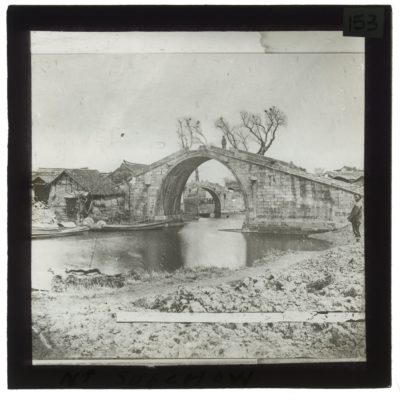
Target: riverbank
(81, 323)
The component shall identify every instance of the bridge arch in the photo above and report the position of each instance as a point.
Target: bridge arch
(168, 202)
(216, 200)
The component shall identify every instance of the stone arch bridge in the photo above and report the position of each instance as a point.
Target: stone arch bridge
(278, 197)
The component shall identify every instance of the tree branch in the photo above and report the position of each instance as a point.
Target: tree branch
(190, 133)
(264, 134)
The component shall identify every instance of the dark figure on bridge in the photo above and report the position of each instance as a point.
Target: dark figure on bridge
(223, 143)
(355, 217)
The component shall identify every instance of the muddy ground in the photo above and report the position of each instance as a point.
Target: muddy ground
(81, 323)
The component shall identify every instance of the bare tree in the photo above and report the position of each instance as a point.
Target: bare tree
(253, 128)
(235, 135)
(264, 133)
(190, 133)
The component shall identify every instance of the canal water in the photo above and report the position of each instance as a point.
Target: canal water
(197, 243)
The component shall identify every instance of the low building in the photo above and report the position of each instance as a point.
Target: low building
(126, 171)
(123, 178)
(78, 193)
(41, 180)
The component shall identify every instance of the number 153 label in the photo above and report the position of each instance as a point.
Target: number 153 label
(363, 21)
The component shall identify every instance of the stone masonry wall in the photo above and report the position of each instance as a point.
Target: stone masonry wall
(286, 200)
(110, 209)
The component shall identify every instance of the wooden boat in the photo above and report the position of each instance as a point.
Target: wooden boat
(142, 226)
(130, 227)
(48, 228)
(174, 223)
(291, 230)
(47, 233)
(205, 210)
(204, 214)
(280, 232)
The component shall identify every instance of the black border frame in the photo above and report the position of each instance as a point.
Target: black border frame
(373, 373)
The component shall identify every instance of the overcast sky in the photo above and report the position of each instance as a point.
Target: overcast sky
(88, 88)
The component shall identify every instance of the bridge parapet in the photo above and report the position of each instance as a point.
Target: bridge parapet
(213, 152)
(284, 167)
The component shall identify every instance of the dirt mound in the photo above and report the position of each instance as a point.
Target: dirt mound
(331, 282)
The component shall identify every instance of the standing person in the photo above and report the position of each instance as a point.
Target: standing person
(223, 143)
(355, 217)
